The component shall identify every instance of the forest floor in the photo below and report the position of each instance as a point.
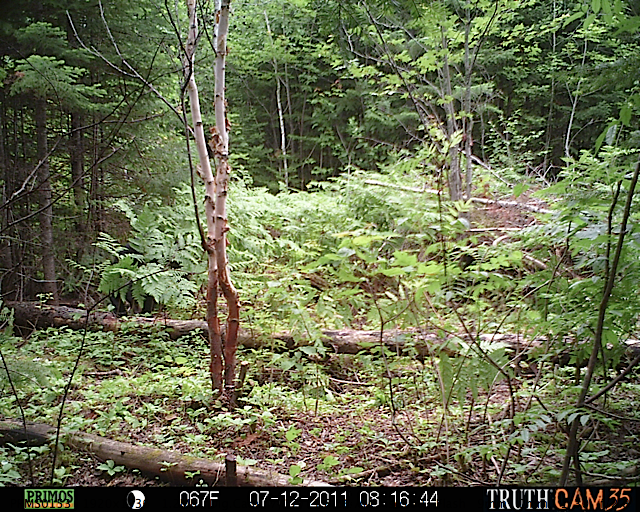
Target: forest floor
(356, 419)
(386, 447)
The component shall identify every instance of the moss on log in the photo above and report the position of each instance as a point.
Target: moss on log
(169, 466)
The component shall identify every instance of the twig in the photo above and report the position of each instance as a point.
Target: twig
(132, 73)
(635, 361)
(349, 382)
(484, 230)
(611, 271)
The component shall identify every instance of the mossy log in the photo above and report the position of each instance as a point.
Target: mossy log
(169, 466)
(31, 315)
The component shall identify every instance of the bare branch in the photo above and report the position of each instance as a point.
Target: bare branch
(132, 73)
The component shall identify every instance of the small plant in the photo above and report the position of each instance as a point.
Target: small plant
(328, 462)
(294, 471)
(189, 475)
(291, 435)
(8, 471)
(61, 474)
(110, 467)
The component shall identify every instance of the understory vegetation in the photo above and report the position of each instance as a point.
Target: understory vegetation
(352, 255)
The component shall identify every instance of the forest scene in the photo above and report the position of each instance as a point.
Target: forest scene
(303, 242)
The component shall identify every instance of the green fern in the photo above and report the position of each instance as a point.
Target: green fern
(25, 372)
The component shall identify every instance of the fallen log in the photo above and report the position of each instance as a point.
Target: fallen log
(30, 315)
(481, 200)
(35, 315)
(168, 465)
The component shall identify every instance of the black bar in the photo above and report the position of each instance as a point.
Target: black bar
(341, 498)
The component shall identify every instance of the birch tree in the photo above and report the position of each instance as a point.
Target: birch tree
(283, 137)
(223, 352)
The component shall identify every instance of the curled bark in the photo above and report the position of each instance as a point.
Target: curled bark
(216, 190)
(223, 170)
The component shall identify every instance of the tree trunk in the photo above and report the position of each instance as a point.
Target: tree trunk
(283, 139)
(467, 120)
(76, 157)
(216, 190)
(46, 215)
(7, 274)
(95, 192)
(575, 98)
(548, 158)
(221, 153)
(454, 178)
(170, 466)
(215, 338)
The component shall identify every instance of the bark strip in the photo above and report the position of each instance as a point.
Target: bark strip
(223, 170)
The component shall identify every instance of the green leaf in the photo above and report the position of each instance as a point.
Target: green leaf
(294, 470)
(572, 417)
(392, 272)
(328, 462)
(572, 18)
(347, 276)
(587, 22)
(345, 252)
(286, 364)
(404, 259)
(519, 189)
(292, 433)
(625, 114)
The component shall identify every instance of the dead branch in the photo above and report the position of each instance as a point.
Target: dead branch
(481, 200)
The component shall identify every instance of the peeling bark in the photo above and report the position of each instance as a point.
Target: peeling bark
(216, 190)
(223, 170)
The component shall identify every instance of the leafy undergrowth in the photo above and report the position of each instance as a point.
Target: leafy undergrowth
(331, 420)
(470, 412)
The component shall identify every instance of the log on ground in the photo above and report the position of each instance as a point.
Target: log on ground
(31, 315)
(170, 466)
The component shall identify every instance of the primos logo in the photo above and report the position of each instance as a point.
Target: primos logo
(49, 498)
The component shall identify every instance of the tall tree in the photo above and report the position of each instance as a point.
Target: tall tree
(46, 205)
(216, 190)
(44, 78)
